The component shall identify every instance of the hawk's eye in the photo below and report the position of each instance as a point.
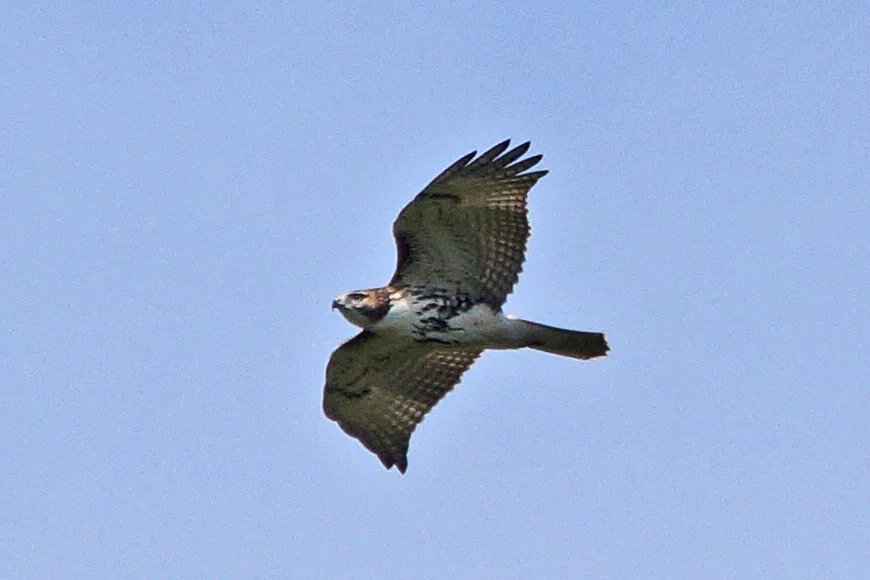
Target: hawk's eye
(356, 296)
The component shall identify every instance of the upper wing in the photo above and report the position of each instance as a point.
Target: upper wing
(467, 230)
(378, 389)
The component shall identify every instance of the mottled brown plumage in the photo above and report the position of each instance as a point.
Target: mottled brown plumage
(467, 230)
(379, 390)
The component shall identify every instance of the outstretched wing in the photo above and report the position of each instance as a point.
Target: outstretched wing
(467, 230)
(379, 389)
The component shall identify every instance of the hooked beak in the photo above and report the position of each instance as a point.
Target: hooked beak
(335, 304)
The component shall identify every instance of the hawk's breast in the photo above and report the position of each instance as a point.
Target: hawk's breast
(432, 315)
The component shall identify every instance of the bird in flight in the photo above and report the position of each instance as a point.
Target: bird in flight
(461, 244)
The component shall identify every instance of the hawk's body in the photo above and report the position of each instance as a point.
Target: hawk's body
(461, 244)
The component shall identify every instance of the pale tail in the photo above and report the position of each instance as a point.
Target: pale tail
(573, 343)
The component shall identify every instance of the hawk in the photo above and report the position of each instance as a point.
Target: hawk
(461, 245)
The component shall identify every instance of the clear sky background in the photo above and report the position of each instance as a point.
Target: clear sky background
(186, 188)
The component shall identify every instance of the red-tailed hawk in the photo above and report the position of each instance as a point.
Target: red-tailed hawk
(461, 245)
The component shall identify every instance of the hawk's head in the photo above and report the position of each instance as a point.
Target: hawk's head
(363, 307)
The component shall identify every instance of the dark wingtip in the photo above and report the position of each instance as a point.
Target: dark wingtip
(522, 147)
(400, 463)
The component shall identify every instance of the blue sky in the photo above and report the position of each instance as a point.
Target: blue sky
(186, 188)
